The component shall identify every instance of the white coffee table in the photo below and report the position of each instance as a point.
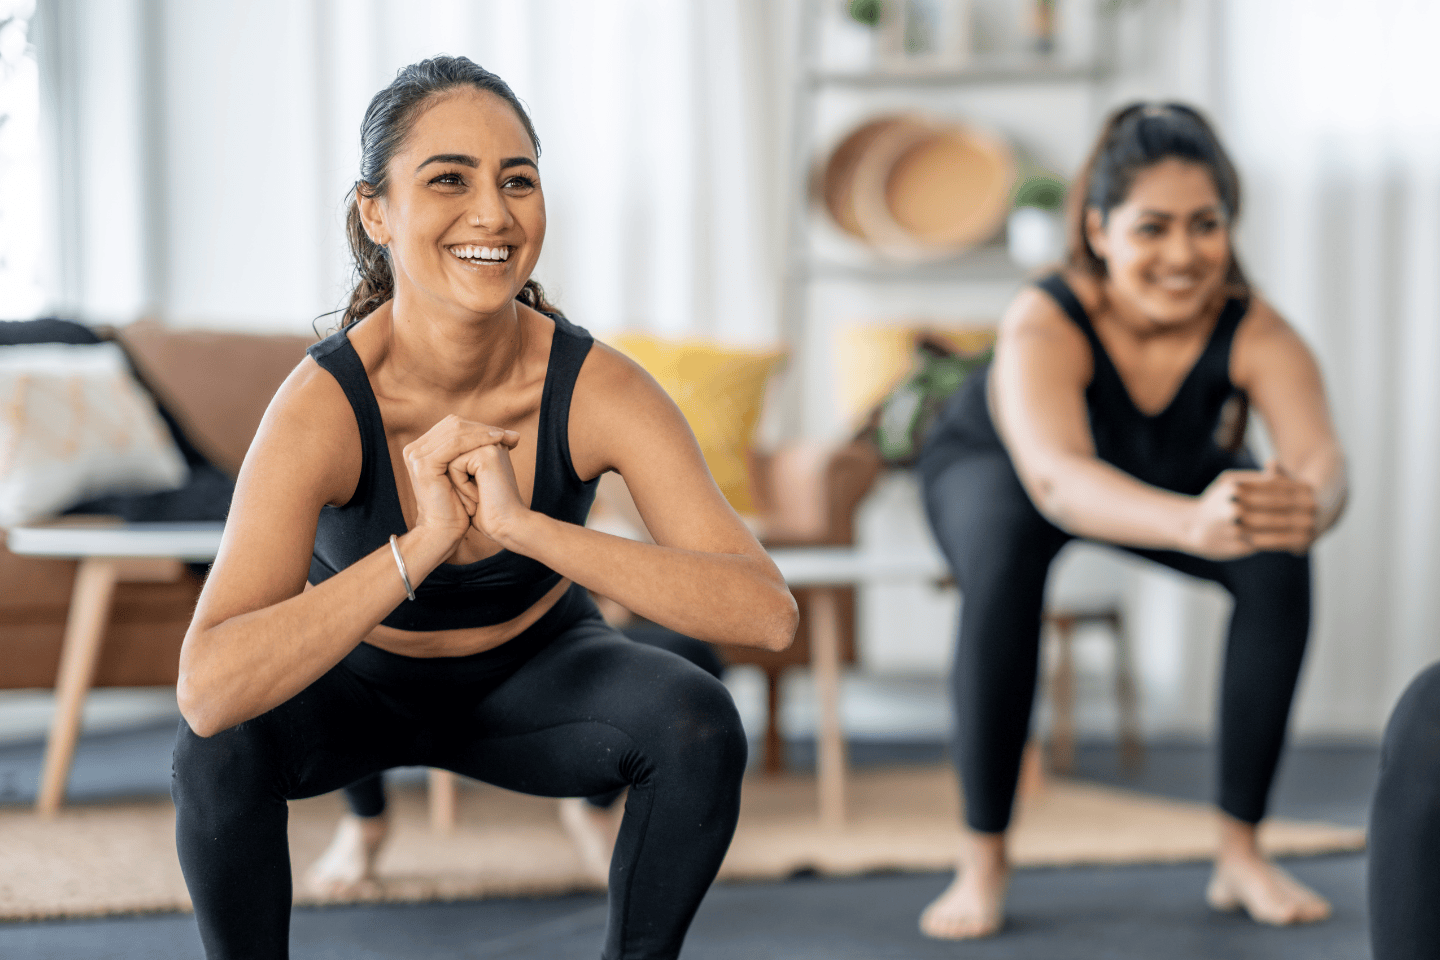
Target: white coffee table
(827, 570)
(109, 551)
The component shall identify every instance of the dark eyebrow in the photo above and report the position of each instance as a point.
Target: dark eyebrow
(465, 160)
(1166, 215)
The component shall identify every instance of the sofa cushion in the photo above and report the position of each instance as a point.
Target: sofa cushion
(720, 391)
(76, 424)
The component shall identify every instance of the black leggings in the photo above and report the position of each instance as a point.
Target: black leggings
(1000, 549)
(568, 708)
(366, 797)
(1405, 829)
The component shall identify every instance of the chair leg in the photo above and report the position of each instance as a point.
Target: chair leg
(1132, 750)
(830, 760)
(774, 745)
(442, 800)
(1062, 733)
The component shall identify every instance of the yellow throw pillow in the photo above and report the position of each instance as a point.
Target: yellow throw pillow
(720, 391)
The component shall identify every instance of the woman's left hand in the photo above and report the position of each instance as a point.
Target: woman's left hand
(489, 489)
(1278, 511)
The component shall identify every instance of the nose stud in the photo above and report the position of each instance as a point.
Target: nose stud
(475, 220)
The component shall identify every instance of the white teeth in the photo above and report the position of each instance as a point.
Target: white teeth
(472, 252)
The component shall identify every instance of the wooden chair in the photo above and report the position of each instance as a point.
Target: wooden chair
(1061, 626)
(807, 495)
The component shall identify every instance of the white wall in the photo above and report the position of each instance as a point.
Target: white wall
(237, 128)
(1338, 131)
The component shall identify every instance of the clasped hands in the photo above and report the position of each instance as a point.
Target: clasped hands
(1250, 511)
(461, 473)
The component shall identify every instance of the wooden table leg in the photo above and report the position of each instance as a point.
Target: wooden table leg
(1062, 733)
(84, 635)
(442, 800)
(830, 738)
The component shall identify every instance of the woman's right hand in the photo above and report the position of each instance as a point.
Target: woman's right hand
(444, 500)
(1249, 511)
(1214, 527)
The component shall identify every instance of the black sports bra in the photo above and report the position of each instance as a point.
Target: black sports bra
(456, 595)
(1174, 449)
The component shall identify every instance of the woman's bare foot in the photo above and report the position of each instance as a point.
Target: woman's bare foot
(974, 904)
(349, 861)
(593, 831)
(1243, 878)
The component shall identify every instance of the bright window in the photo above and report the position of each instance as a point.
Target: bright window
(21, 292)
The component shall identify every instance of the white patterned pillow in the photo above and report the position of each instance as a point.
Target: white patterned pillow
(74, 425)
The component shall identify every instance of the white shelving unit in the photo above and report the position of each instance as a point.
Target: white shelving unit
(1042, 100)
(816, 251)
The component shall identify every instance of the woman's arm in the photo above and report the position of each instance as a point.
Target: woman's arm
(1279, 374)
(705, 576)
(256, 640)
(1037, 396)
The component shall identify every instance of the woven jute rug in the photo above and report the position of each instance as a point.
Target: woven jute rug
(120, 858)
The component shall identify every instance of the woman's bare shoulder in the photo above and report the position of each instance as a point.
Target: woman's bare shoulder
(310, 419)
(1261, 317)
(608, 373)
(612, 387)
(1034, 317)
(1264, 342)
(615, 397)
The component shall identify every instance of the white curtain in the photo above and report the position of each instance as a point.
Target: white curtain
(1333, 111)
(209, 147)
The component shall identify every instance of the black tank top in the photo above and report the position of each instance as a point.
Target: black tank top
(1176, 449)
(456, 595)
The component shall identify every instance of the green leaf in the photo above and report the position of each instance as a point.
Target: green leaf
(866, 11)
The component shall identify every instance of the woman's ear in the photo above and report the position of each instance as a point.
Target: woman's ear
(1095, 232)
(372, 217)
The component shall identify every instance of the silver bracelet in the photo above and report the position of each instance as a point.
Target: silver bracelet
(400, 562)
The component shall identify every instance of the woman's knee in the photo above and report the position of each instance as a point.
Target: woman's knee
(1411, 746)
(223, 768)
(1270, 577)
(700, 726)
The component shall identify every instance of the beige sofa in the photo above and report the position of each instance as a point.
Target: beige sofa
(217, 385)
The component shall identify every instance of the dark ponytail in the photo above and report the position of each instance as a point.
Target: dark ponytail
(387, 123)
(1133, 139)
(374, 283)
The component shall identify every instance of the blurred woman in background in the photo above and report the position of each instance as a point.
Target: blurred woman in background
(1100, 419)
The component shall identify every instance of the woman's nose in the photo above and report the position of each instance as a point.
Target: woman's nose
(490, 210)
(1179, 248)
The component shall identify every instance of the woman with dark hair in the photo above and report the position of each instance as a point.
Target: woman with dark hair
(404, 570)
(1100, 419)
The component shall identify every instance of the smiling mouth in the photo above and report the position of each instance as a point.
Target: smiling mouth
(1177, 284)
(475, 254)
